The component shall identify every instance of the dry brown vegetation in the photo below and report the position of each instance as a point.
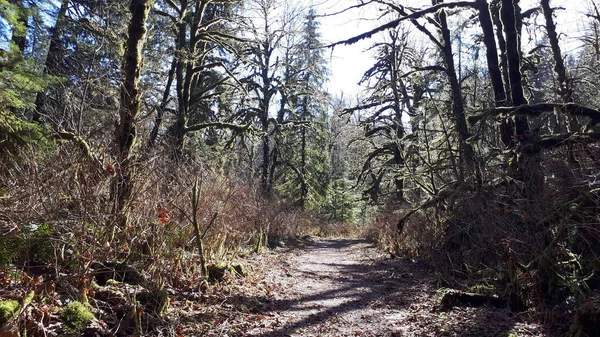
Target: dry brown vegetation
(60, 239)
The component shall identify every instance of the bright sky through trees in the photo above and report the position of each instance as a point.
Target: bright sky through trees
(348, 63)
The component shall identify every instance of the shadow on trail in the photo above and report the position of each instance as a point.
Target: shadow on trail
(351, 287)
(358, 286)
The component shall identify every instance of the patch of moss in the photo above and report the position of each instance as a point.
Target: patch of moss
(112, 282)
(76, 317)
(8, 310)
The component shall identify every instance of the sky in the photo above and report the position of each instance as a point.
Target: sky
(348, 63)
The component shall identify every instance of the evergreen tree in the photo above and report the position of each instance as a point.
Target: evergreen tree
(309, 103)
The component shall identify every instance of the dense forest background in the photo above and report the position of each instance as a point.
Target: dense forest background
(172, 135)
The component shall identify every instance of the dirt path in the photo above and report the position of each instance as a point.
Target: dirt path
(347, 288)
(343, 288)
(336, 288)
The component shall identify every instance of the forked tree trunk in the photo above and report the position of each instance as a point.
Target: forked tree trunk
(528, 152)
(491, 52)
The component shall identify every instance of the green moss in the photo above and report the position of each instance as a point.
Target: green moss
(483, 289)
(8, 310)
(76, 317)
(112, 282)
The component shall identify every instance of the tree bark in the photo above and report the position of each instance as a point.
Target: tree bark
(513, 57)
(491, 52)
(528, 152)
(163, 104)
(565, 89)
(458, 108)
(53, 58)
(130, 104)
(495, 10)
(397, 119)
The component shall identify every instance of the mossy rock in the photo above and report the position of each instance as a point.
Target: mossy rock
(216, 272)
(76, 317)
(120, 272)
(8, 310)
(275, 242)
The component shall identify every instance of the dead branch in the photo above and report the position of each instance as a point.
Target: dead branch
(80, 142)
(538, 109)
(395, 23)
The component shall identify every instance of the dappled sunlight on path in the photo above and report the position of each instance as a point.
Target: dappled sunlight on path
(337, 288)
(343, 287)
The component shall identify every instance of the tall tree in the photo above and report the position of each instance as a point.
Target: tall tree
(270, 23)
(130, 103)
(201, 43)
(53, 57)
(310, 100)
(458, 107)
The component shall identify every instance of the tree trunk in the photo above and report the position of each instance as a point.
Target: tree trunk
(497, 71)
(399, 128)
(163, 105)
(495, 11)
(53, 58)
(513, 57)
(266, 159)
(528, 151)
(565, 90)
(130, 104)
(304, 186)
(491, 52)
(458, 108)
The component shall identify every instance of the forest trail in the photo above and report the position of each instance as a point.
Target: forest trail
(344, 287)
(336, 288)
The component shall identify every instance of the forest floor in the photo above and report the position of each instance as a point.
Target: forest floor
(329, 287)
(344, 287)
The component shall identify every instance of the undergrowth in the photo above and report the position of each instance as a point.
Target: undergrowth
(60, 241)
(539, 255)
